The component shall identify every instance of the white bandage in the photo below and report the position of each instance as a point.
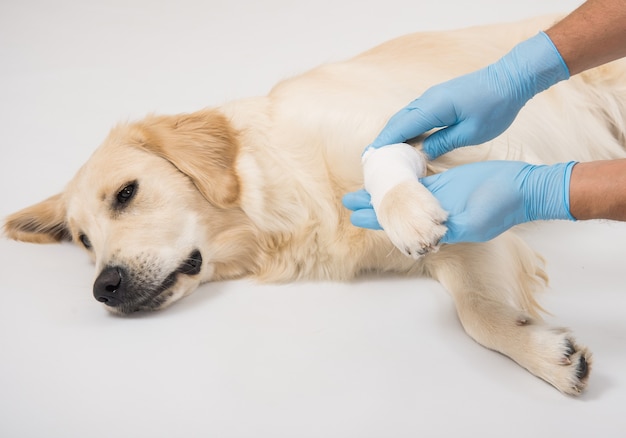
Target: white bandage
(388, 166)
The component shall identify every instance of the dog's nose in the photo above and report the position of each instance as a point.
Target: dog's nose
(110, 288)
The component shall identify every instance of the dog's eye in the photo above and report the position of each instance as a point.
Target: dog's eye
(84, 240)
(126, 194)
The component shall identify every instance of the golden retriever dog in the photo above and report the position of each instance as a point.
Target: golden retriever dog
(253, 189)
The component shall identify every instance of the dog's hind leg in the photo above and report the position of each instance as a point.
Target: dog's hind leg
(493, 284)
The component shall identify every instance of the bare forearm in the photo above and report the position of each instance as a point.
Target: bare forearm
(592, 35)
(598, 190)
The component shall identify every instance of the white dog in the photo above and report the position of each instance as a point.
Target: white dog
(254, 189)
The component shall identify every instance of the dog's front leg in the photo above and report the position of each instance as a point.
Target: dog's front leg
(410, 215)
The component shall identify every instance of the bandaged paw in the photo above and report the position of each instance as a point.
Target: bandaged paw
(410, 215)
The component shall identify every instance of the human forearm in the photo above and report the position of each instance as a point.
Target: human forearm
(598, 190)
(592, 35)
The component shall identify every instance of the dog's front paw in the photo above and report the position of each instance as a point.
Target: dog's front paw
(412, 218)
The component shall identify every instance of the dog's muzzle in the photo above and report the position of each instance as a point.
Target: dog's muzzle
(115, 287)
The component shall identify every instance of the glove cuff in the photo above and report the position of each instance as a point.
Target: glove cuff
(538, 64)
(546, 192)
(551, 66)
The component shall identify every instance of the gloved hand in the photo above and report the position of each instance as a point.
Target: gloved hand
(479, 106)
(485, 199)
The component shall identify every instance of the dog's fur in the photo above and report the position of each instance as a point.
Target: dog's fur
(254, 189)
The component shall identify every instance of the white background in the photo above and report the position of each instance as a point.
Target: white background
(376, 357)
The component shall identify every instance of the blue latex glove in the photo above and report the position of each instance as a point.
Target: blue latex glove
(479, 106)
(487, 198)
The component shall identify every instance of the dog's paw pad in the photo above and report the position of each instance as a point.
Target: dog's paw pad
(582, 368)
(577, 361)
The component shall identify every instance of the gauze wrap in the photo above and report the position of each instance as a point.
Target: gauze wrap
(388, 166)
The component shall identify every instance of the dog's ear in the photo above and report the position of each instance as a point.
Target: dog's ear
(44, 222)
(203, 146)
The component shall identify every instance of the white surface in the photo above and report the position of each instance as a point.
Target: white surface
(378, 357)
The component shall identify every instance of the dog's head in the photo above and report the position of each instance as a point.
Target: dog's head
(157, 209)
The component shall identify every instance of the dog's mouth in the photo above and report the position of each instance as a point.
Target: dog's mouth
(123, 294)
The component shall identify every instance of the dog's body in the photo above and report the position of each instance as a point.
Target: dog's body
(254, 189)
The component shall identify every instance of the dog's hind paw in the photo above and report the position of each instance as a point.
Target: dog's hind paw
(572, 364)
(555, 356)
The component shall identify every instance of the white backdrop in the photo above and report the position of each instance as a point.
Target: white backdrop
(377, 357)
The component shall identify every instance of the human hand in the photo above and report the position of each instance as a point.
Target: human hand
(478, 106)
(485, 199)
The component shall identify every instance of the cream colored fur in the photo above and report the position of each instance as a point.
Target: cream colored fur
(255, 186)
